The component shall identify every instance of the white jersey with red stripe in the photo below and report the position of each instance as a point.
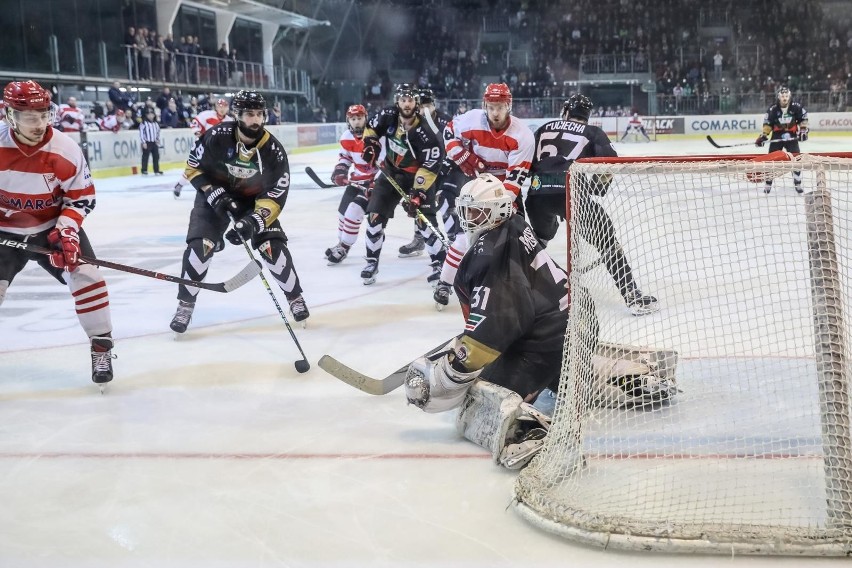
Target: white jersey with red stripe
(207, 119)
(351, 147)
(507, 154)
(71, 118)
(43, 186)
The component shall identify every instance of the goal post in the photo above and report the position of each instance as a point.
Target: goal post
(753, 455)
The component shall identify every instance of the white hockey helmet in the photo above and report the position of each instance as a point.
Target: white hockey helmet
(483, 203)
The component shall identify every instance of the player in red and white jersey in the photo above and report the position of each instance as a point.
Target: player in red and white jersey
(635, 125)
(353, 172)
(46, 191)
(204, 121)
(71, 118)
(112, 122)
(486, 140)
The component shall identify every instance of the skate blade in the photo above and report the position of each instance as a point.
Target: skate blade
(369, 281)
(103, 387)
(644, 310)
(439, 306)
(410, 254)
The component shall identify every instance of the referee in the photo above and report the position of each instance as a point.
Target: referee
(149, 134)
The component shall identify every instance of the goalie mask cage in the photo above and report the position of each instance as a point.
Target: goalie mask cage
(753, 454)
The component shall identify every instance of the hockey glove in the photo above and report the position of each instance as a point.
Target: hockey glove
(803, 134)
(415, 202)
(67, 244)
(221, 202)
(371, 151)
(247, 227)
(469, 163)
(761, 140)
(338, 176)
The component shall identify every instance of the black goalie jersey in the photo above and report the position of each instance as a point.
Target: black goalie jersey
(249, 174)
(512, 294)
(557, 144)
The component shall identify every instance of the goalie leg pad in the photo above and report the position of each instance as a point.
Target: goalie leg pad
(630, 377)
(497, 419)
(432, 385)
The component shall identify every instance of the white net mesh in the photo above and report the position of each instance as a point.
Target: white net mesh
(753, 454)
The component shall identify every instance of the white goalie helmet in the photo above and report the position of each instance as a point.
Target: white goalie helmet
(483, 204)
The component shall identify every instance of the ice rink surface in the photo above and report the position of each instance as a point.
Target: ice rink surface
(211, 450)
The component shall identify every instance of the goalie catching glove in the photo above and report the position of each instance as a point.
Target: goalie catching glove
(66, 241)
(246, 228)
(469, 163)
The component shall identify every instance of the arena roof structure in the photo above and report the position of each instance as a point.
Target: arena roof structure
(263, 12)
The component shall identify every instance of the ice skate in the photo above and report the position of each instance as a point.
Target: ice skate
(798, 186)
(640, 304)
(435, 276)
(299, 310)
(768, 187)
(442, 296)
(370, 271)
(183, 316)
(336, 254)
(176, 190)
(414, 248)
(102, 361)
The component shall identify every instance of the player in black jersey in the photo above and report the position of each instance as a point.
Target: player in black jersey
(784, 124)
(413, 155)
(515, 303)
(558, 143)
(238, 168)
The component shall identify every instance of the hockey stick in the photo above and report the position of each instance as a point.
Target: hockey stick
(250, 271)
(717, 145)
(368, 384)
(302, 364)
(316, 179)
(420, 216)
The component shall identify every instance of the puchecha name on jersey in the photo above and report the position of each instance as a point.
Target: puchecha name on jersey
(566, 126)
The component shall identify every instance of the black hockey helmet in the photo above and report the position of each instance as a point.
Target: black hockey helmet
(405, 90)
(247, 100)
(577, 106)
(425, 96)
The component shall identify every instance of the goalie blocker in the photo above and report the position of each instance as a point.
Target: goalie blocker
(499, 420)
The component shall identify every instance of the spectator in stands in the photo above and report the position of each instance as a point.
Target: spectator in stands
(275, 115)
(144, 50)
(118, 98)
(71, 118)
(169, 116)
(181, 51)
(130, 45)
(235, 79)
(222, 64)
(163, 99)
(717, 65)
(169, 58)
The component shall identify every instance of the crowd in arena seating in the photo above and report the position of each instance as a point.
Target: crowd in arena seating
(770, 43)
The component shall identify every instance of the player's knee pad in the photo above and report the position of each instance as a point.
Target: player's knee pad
(271, 249)
(4, 285)
(203, 249)
(497, 419)
(83, 277)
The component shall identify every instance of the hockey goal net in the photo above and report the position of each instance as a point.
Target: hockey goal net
(651, 124)
(753, 454)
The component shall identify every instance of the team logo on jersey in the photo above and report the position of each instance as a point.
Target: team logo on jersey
(241, 170)
(420, 180)
(49, 180)
(535, 183)
(473, 321)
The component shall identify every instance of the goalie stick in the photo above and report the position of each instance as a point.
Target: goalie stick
(316, 179)
(366, 383)
(250, 271)
(717, 145)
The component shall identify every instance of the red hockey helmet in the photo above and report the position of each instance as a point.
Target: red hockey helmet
(356, 110)
(26, 95)
(497, 93)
